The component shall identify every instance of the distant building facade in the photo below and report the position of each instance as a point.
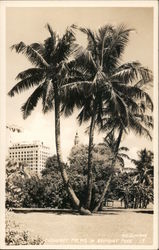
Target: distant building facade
(33, 154)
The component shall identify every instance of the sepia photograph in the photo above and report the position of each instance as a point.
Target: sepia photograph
(79, 125)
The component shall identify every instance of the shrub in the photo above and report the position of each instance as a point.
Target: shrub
(16, 236)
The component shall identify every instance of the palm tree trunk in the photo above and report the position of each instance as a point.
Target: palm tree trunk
(64, 175)
(110, 177)
(103, 195)
(90, 174)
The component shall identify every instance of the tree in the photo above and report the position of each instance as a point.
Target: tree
(101, 170)
(16, 174)
(145, 166)
(116, 158)
(136, 188)
(49, 74)
(137, 122)
(105, 86)
(54, 193)
(143, 176)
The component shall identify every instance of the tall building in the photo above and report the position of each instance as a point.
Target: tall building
(33, 154)
(76, 140)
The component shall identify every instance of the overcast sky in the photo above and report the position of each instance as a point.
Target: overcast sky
(28, 25)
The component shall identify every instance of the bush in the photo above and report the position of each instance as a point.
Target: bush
(15, 236)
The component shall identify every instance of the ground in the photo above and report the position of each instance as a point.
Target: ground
(111, 227)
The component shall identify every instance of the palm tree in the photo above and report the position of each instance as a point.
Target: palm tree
(125, 189)
(114, 146)
(49, 74)
(138, 122)
(105, 86)
(144, 166)
(143, 176)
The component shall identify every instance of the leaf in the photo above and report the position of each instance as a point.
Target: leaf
(64, 47)
(26, 84)
(34, 57)
(130, 72)
(31, 102)
(30, 73)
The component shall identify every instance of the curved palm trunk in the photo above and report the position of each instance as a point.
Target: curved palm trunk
(103, 195)
(64, 175)
(110, 177)
(90, 174)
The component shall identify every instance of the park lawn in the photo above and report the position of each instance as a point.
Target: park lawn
(112, 227)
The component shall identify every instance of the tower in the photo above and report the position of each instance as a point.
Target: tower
(76, 140)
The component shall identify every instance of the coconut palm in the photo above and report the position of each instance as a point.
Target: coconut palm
(114, 146)
(143, 176)
(109, 141)
(144, 166)
(138, 122)
(106, 85)
(138, 185)
(135, 191)
(49, 74)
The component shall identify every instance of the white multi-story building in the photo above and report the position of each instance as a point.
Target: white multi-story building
(33, 154)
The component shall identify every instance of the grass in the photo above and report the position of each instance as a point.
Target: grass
(111, 227)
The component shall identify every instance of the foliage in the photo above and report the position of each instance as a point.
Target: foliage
(24, 190)
(16, 175)
(144, 166)
(16, 236)
(50, 72)
(49, 60)
(135, 189)
(108, 93)
(55, 194)
(78, 159)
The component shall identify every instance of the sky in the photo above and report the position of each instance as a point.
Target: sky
(28, 25)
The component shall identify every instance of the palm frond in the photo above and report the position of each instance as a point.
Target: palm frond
(146, 119)
(124, 156)
(92, 43)
(75, 95)
(50, 45)
(123, 149)
(110, 124)
(39, 47)
(138, 128)
(130, 72)
(84, 57)
(142, 95)
(114, 47)
(79, 86)
(29, 73)
(34, 56)
(127, 72)
(104, 39)
(78, 72)
(50, 30)
(65, 46)
(132, 94)
(118, 106)
(32, 101)
(120, 38)
(25, 84)
(85, 113)
(121, 161)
